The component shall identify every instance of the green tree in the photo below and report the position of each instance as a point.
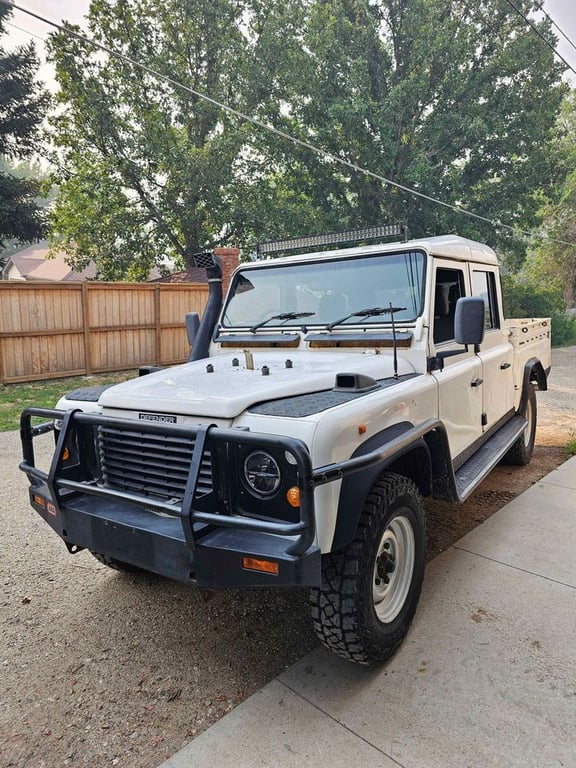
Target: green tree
(553, 260)
(454, 99)
(147, 170)
(23, 105)
(457, 100)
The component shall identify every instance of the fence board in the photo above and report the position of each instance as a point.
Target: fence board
(49, 330)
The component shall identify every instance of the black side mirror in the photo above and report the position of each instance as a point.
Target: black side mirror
(469, 320)
(468, 330)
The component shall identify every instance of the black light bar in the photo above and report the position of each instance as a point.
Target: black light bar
(333, 238)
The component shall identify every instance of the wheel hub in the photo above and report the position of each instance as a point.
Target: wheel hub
(393, 569)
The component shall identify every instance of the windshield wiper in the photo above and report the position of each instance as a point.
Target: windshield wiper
(284, 316)
(372, 312)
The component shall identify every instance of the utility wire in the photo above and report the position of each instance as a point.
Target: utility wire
(551, 20)
(26, 31)
(531, 24)
(277, 131)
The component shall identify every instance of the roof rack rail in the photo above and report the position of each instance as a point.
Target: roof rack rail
(376, 232)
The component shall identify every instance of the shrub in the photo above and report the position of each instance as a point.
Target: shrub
(524, 298)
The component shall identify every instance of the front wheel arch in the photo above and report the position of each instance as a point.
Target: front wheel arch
(414, 462)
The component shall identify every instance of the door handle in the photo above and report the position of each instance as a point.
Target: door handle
(476, 382)
(504, 366)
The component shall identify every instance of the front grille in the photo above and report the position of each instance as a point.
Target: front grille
(150, 464)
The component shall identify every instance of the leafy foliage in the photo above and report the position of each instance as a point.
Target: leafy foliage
(454, 99)
(553, 261)
(22, 107)
(526, 297)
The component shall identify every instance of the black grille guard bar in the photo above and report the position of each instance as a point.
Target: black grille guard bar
(304, 530)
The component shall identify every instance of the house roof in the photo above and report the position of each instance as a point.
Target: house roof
(192, 275)
(32, 263)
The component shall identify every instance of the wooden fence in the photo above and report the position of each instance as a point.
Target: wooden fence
(48, 330)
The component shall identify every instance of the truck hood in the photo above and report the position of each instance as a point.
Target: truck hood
(230, 389)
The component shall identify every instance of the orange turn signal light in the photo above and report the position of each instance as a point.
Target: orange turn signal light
(265, 566)
(39, 500)
(293, 496)
(65, 454)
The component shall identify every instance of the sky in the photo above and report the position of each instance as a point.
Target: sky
(561, 11)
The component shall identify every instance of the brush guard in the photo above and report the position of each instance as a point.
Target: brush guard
(191, 540)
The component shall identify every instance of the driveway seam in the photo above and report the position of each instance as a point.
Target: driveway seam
(341, 724)
(515, 567)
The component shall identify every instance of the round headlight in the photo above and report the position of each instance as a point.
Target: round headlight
(262, 473)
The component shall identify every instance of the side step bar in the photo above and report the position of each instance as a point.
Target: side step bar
(472, 472)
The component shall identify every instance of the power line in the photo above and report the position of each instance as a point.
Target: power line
(540, 35)
(551, 20)
(26, 31)
(277, 131)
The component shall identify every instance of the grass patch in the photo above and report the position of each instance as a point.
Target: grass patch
(570, 448)
(45, 394)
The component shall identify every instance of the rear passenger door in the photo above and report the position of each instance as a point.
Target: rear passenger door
(496, 352)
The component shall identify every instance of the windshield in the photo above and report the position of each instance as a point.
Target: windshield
(328, 289)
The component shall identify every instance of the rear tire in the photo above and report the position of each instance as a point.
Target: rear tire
(370, 591)
(521, 451)
(116, 565)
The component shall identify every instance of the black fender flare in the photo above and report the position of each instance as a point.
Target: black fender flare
(356, 487)
(533, 373)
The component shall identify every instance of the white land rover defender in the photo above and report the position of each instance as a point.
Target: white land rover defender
(324, 397)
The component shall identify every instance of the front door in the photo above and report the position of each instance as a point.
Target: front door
(460, 382)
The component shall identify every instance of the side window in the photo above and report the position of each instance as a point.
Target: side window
(448, 288)
(484, 285)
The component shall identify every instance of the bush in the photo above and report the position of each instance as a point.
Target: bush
(524, 298)
(563, 330)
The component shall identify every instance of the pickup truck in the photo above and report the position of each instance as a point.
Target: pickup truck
(324, 397)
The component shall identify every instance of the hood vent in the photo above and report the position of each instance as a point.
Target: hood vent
(354, 382)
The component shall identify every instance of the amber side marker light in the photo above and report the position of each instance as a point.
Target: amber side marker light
(293, 496)
(39, 500)
(65, 454)
(265, 566)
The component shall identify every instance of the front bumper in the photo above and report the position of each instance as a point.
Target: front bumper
(193, 542)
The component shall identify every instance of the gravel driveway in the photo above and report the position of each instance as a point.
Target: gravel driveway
(103, 669)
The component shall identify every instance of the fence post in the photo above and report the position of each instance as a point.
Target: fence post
(86, 322)
(158, 330)
(1, 362)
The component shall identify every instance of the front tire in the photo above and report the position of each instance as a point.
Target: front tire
(370, 591)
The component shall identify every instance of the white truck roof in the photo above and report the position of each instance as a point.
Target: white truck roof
(448, 246)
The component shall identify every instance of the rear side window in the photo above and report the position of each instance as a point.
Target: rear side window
(484, 285)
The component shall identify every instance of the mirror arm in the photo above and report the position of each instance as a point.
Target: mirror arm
(436, 363)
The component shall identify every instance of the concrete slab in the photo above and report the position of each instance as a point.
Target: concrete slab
(564, 475)
(487, 676)
(485, 679)
(274, 728)
(535, 532)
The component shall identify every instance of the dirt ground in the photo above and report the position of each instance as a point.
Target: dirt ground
(104, 669)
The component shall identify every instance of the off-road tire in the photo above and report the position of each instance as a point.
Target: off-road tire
(521, 451)
(116, 565)
(344, 609)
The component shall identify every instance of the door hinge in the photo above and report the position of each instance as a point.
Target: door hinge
(484, 419)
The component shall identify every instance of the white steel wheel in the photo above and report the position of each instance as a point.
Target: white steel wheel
(393, 569)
